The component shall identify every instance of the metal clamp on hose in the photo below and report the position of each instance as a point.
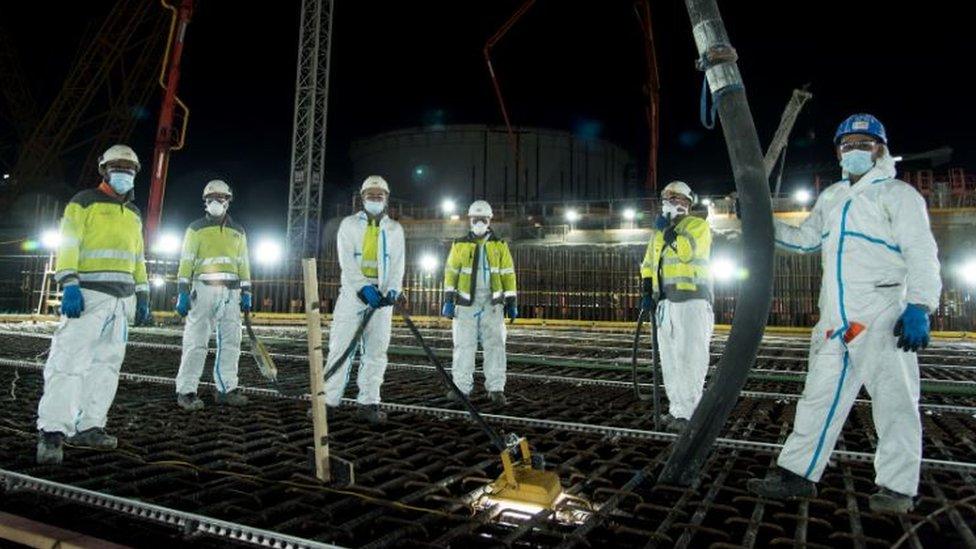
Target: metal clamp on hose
(717, 58)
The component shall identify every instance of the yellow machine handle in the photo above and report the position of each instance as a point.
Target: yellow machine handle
(508, 466)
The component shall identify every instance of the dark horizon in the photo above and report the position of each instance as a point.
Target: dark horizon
(565, 66)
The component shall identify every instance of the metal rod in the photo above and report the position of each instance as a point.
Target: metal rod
(188, 522)
(567, 426)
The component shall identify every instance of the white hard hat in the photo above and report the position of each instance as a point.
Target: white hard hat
(479, 208)
(217, 186)
(680, 187)
(118, 153)
(374, 182)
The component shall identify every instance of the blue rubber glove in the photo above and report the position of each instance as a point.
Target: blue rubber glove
(72, 304)
(183, 303)
(447, 310)
(647, 303)
(369, 295)
(511, 310)
(391, 297)
(912, 328)
(246, 302)
(143, 318)
(661, 223)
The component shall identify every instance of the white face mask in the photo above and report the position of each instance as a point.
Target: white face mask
(373, 207)
(216, 208)
(672, 211)
(479, 228)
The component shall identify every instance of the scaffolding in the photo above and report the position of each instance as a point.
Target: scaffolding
(309, 129)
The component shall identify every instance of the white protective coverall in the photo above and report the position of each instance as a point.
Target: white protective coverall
(684, 335)
(82, 370)
(349, 309)
(213, 307)
(878, 255)
(482, 322)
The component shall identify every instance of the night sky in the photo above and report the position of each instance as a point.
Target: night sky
(567, 65)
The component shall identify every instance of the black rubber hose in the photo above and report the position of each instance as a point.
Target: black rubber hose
(351, 347)
(633, 358)
(496, 439)
(655, 361)
(718, 59)
(655, 396)
(656, 364)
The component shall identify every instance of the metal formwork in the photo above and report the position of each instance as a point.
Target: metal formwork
(599, 283)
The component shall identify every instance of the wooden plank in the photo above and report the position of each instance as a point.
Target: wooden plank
(37, 534)
(320, 426)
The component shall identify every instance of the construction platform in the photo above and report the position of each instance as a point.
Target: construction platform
(242, 476)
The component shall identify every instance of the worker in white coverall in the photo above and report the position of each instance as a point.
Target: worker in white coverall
(102, 271)
(214, 289)
(880, 283)
(371, 257)
(676, 278)
(479, 286)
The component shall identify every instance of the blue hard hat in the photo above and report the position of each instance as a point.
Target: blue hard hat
(864, 124)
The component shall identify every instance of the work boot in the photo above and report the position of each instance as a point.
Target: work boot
(889, 501)
(372, 413)
(96, 437)
(50, 448)
(232, 398)
(453, 396)
(677, 424)
(189, 402)
(782, 484)
(497, 398)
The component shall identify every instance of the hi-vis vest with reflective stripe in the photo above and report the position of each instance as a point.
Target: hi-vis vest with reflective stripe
(371, 244)
(684, 265)
(464, 258)
(215, 251)
(101, 245)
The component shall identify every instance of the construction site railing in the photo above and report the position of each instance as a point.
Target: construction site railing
(554, 282)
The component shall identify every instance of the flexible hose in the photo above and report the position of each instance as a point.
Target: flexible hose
(496, 439)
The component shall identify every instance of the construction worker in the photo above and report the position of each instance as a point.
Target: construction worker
(371, 257)
(214, 288)
(675, 276)
(102, 271)
(881, 281)
(479, 286)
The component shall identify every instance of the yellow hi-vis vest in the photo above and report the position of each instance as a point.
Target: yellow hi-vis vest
(215, 250)
(683, 265)
(459, 282)
(371, 243)
(101, 245)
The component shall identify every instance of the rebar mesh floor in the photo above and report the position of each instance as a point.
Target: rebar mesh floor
(251, 465)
